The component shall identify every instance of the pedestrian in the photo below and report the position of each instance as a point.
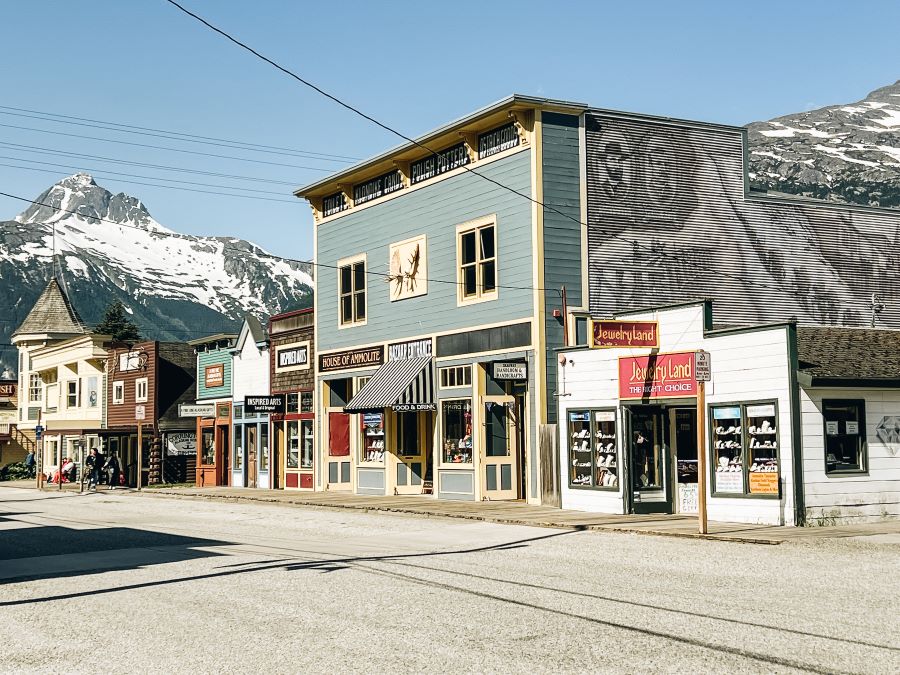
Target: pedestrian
(68, 470)
(93, 464)
(112, 467)
(29, 463)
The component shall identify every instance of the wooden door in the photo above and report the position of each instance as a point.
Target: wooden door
(338, 471)
(499, 448)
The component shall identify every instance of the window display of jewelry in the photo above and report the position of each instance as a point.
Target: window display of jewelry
(728, 446)
(579, 436)
(605, 452)
(763, 449)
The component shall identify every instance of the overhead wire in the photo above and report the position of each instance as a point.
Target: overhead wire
(243, 145)
(419, 144)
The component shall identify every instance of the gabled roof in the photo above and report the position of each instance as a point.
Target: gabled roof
(253, 329)
(835, 355)
(52, 314)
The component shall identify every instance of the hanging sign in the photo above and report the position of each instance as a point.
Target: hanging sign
(196, 409)
(261, 405)
(510, 370)
(606, 334)
(657, 376)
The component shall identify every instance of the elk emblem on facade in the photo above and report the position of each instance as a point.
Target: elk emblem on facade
(407, 269)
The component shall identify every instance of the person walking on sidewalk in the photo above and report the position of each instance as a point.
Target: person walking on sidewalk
(93, 465)
(29, 463)
(112, 467)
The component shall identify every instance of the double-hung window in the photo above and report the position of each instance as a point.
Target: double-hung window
(352, 291)
(140, 390)
(72, 394)
(845, 435)
(477, 255)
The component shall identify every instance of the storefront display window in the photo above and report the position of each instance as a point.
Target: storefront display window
(238, 461)
(456, 422)
(745, 449)
(264, 447)
(593, 449)
(306, 456)
(845, 435)
(372, 449)
(293, 445)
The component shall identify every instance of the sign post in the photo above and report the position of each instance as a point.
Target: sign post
(39, 458)
(703, 374)
(140, 413)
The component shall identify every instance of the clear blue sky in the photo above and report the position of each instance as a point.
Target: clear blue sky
(412, 64)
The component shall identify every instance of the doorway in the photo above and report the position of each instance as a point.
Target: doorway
(338, 459)
(502, 448)
(414, 434)
(649, 460)
(684, 431)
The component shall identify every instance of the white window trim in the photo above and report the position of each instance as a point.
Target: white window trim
(137, 387)
(77, 394)
(118, 387)
(443, 369)
(481, 296)
(343, 262)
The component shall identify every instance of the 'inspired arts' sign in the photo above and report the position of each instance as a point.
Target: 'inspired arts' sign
(657, 376)
(606, 334)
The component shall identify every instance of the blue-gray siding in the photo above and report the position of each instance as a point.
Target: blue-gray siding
(562, 234)
(434, 210)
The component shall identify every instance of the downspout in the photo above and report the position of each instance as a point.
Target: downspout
(796, 431)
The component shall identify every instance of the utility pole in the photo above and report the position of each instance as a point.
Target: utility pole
(140, 453)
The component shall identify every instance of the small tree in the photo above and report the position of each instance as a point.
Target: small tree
(116, 323)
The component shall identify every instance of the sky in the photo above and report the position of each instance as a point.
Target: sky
(413, 65)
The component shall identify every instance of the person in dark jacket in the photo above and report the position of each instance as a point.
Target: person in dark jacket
(29, 463)
(113, 468)
(94, 463)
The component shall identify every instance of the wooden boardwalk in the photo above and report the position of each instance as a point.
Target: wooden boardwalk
(519, 513)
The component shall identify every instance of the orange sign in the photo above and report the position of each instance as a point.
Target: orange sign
(605, 334)
(214, 375)
(657, 376)
(764, 483)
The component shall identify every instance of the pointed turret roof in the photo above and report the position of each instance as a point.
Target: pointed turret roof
(53, 313)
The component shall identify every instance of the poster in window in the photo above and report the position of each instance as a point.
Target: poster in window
(831, 428)
(852, 428)
(92, 392)
(408, 268)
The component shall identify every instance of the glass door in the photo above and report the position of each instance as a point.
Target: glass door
(500, 456)
(413, 441)
(649, 460)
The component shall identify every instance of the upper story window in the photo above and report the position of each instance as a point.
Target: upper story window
(34, 388)
(352, 291)
(72, 394)
(377, 187)
(477, 256)
(456, 376)
(497, 140)
(333, 204)
(140, 390)
(306, 401)
(438, 163)
(118, 392)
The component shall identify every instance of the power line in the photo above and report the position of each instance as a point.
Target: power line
(19, 147)
(178, 136)
(134, 182)
(161, 147)
(421, 145)
(131, 175)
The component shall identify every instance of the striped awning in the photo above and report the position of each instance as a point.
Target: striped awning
(401, 385)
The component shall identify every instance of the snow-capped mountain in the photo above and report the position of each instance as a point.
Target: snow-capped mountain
(176, 286)
(848, 153)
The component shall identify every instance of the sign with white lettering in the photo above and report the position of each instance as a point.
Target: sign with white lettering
(262, 405)
(657, 376)
(293, 356)
(196, 409)
(413, 407)
(510, 370)
(403, 351)
(214, 375)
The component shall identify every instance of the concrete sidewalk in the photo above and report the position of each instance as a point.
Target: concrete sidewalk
(519, 513)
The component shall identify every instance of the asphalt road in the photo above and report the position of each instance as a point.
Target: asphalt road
(128, 583)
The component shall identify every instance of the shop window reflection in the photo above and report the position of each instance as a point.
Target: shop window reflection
(456, 422)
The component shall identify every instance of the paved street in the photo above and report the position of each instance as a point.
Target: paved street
(129, 583)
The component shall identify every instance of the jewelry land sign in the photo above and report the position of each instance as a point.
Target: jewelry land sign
(353, 358)
(657, 376)
(607, 334)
